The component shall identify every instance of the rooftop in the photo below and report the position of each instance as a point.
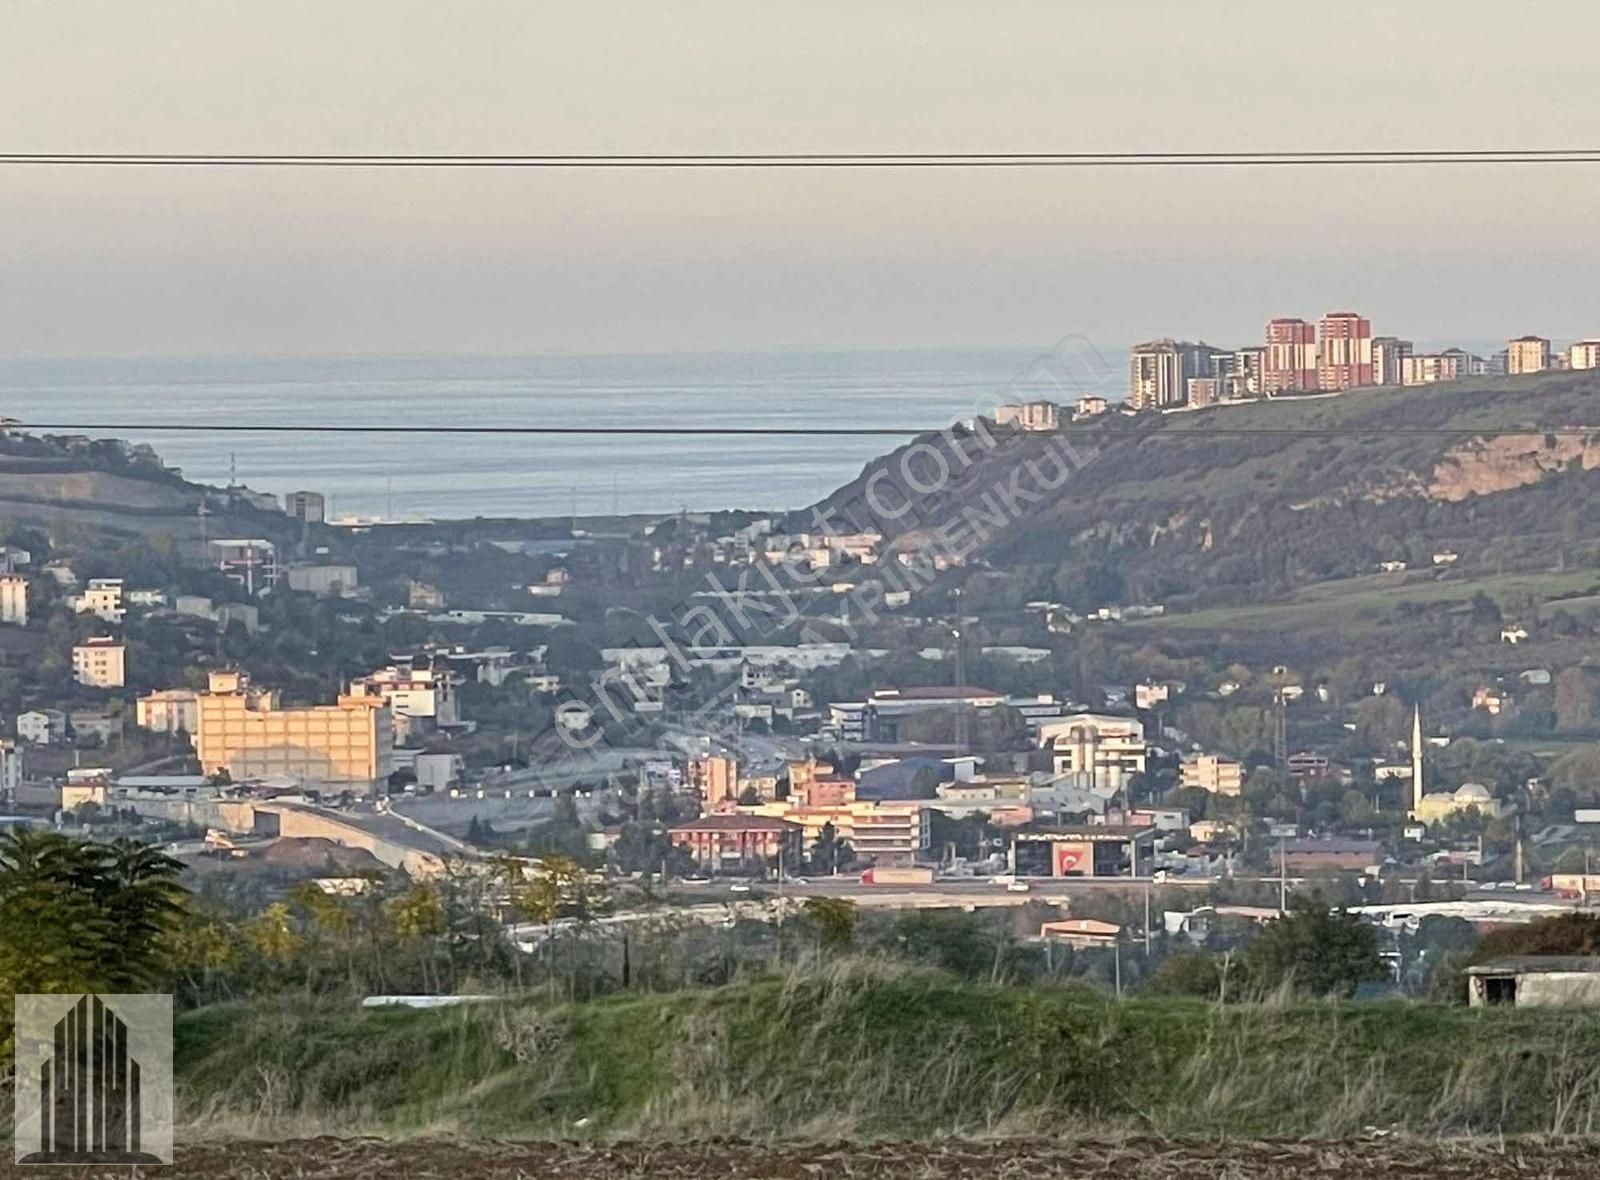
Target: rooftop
(1537, 964)
(732, 823)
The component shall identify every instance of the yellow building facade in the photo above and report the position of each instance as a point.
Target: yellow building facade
(247, 734)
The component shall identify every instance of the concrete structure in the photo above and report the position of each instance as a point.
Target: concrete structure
(307, 507)
(1389, 354)
(1536, 981)
(252, 562)
(1200, 392)
(1344, 354)
(1430, 368)
(1159, 372)
(42, 727)
(171, 710)
(1102, 751)
(1585, 354)
(715, 780)
(10, 768)
(1208, 772)
(420, 694)
(723, 843)
(1092, 850)
(14, 600)
(94, 725)
(1247, 372)
(1527, 354)
(1291, 364)
(1311, 856)
(102, 597)
(244, 732)
(326, 581)
(438, 772)
(100, 662)
(888, 833)
(1081, 933)
(1040, 415)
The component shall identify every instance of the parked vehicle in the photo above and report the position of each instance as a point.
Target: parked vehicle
(898, 875)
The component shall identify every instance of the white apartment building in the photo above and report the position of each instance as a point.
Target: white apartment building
(10, 767)
(420, 695)
(1527, 354)
(1585, 354)
(42, 727)
(1104, 751)
(100, 663)
(1040, 415)
(14, 600)
(1208, 772)
(171, 710)
(102, 597)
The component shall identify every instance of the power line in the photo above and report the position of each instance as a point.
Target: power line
(1100, 429)
(1206, 159)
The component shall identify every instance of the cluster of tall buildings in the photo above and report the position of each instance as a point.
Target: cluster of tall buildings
(1338, 352)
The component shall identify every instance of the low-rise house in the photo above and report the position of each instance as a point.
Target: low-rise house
(42, 727)
(1536, 981)
(734, 843)
(1081, 933)
(100, 662)
(1209, 772)
(95, 726)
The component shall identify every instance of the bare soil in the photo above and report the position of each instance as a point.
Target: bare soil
(371, 1159)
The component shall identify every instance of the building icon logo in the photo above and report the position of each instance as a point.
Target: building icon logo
(93, 1079)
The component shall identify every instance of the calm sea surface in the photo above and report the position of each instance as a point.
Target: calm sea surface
(463, 476)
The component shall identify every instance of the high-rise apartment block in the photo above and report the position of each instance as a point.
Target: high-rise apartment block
(1527, 354)
(14, 600)
(1389, 354)
(1585, 354)
(1291, 356)
(1344, 359)
(1159, 372)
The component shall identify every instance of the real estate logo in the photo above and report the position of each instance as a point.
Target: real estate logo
(94, 1079)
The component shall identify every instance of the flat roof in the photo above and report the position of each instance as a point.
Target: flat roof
(1094, 833)
(1538, 964)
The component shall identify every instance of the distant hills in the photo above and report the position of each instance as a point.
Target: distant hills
(1241, 502)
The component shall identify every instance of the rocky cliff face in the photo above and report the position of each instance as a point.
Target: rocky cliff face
(1484, 466)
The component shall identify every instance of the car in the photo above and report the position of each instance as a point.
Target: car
(738, 889)
(1018, 887)
(798, 880)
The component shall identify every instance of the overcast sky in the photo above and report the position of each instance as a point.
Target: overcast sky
(297, 263)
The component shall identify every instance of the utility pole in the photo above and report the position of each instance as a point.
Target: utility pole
(1283, 878)
(1147, 919)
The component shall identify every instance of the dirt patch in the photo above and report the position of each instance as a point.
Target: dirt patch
(368, 1159)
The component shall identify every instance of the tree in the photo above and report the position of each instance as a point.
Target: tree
(417, 917)
(834, 919)
(1315, 950)
(829, 852)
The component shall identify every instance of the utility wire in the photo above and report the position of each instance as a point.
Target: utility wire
(1380, 158)
(1116, 432)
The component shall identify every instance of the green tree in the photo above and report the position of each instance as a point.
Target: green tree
(1315, 950)
(834, 919)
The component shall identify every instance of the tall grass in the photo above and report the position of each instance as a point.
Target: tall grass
(875, 1049)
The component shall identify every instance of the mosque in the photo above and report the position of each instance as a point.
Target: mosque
(1430, 807)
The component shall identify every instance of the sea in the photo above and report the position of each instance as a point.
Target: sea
(444, 476)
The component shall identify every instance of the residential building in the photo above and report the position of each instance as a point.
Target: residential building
(14, 600)
(1291, 364)
(1159, 372)
(307, 507)
(245, 732)
(1527, 354)
(1247, 372)
(1536, 981)
(100, 662)
(1389, 355)
(331, 580)
(1102, 751)
(250, 561)
(734, 843)
(420, 694)
(1090, 407)
(887, 832)
(102, 597)
(94, 725)
(1202, 391)
(1208, 772)
(1344, 354)
(1039, 415)
(171, 710)
(715, 780)
(1430, 368)
(42, 727)
(1311, 856)
(1585, 354)
(10, 768)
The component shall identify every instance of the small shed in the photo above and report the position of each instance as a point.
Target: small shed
(1536, 981)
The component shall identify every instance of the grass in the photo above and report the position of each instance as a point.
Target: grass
(869, 1050)
(1348, 603)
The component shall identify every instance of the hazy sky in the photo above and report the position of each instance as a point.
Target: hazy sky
(297, 262)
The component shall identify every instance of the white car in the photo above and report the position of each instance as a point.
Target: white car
(1018, 887)
(738, 889)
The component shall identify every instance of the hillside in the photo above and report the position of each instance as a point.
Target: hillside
(110, 489)
(869, 1051)
(1162, 509)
